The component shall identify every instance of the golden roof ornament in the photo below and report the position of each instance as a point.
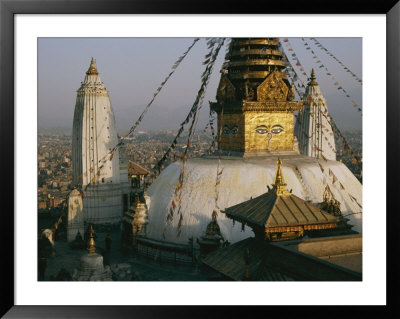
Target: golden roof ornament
(279, 185)
(92, 69)
(92, 245)
(313, 78)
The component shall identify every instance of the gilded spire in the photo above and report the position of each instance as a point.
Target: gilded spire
(92, 245)
(92, 69)
(279, 185)
(313, 78)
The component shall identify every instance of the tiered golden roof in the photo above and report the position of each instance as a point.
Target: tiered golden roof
(255, 98)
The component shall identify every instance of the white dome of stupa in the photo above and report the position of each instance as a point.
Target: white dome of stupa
(242, 179)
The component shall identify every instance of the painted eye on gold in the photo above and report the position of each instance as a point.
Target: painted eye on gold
(234, 130)
(262, 129)
(276, 129)
(225, 130)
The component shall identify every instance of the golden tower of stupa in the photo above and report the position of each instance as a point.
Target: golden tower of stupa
(255, 99)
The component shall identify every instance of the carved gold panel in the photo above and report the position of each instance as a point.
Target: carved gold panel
(272, 89)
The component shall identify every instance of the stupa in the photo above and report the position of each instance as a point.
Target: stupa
(255, 106)
(97, 172)
(91, 265)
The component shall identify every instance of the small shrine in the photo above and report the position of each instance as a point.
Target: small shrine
(331, 205)
(134, 221)
(280, 215)
(91, 265)
(213, 238)
(137, 175)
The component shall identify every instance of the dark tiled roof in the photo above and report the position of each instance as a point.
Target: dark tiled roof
(136, 169)
(271, 210)
(230, 262)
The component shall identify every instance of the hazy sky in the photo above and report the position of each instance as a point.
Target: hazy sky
(132, 69)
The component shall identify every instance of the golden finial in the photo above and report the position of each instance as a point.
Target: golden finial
(92, 245)
(92, 69)
(327, 194)
(279, 184)
(313, 78)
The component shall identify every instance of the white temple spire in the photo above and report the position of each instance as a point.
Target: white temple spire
(314, 132)
(95, 170)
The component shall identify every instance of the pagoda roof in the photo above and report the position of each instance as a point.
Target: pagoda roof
(136, 169)
(279, 210)
(230, 262)
(271, 210)
(276, 262)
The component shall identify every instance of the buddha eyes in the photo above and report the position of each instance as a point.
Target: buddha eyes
(262, 129)
(226, 130)
(276, 129)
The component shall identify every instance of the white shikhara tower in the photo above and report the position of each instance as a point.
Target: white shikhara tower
(313, 130)
(96, 171)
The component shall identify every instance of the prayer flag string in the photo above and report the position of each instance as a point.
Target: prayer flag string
(320, 46)
(175, 207)
(329, 74)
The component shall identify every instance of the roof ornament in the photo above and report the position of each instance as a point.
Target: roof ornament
(92, 68)
(279, 185)
(313, 78)
(92, 244)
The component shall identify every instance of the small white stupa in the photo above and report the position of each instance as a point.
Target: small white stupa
(91, 265)
(313, 130)
(95, 170)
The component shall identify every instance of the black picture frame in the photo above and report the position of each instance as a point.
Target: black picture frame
(8, 10)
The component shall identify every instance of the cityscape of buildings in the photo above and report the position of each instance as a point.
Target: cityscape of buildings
(145, 149)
